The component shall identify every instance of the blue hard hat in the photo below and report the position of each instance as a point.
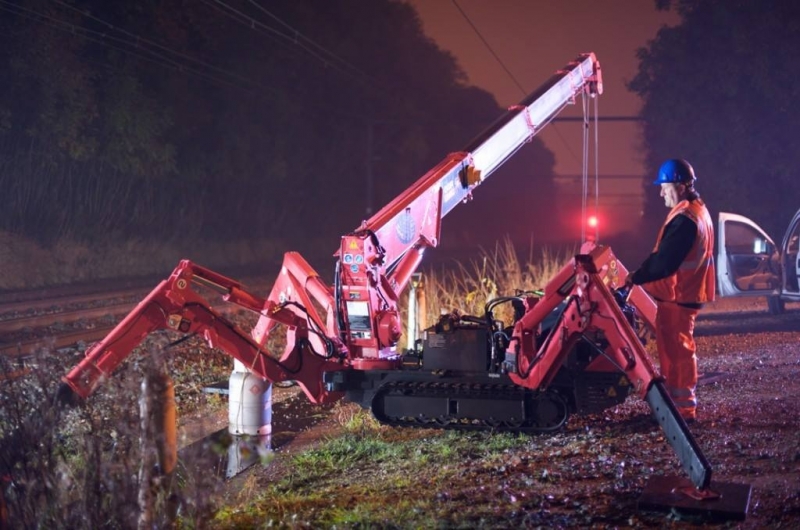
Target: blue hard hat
(674, 171)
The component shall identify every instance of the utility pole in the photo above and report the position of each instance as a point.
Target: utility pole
(369, 163)
(370, 157)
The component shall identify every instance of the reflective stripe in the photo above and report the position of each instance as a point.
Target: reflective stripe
(694, 280)
(691, 265)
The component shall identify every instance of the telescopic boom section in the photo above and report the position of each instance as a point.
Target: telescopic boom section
(378, 259)
(413, 217)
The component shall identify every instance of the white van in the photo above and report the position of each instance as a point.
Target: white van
(750, 264)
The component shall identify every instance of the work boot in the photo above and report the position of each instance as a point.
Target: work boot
(688, 414)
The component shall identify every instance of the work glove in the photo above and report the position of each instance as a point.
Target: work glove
(629, 281)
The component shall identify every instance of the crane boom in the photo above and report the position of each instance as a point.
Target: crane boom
(377, 260)
(413, 214)
(577, 349)
(355, 323)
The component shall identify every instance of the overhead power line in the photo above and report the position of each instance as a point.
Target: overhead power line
(296, 42)
(488, 47)
(603, 118)
(298, 35)
(295, 39)
(133, 48)
(137, 46)
(144, 40)
(514, 79)
(251, 21)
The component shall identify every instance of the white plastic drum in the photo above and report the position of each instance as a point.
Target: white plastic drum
(249, 403)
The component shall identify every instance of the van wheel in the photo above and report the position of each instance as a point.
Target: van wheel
(776, 305)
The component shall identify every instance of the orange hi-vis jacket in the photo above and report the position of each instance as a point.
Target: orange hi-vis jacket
(694, 281)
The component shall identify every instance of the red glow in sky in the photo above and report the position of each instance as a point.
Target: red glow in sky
(533, 38)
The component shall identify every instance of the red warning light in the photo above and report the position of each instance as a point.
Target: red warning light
(592, 221)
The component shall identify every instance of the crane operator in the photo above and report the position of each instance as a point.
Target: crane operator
(679, 275)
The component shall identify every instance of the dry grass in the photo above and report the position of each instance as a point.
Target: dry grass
(85, 467)
(469, 287)
(466, 288)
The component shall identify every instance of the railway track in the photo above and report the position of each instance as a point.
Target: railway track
(62, 317)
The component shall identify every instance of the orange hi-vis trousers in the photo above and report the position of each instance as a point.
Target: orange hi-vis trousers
(676, 355)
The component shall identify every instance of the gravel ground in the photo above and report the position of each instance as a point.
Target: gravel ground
(749, 416)
(593, 473)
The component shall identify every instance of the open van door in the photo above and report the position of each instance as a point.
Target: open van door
(750, 264)
(790, 290)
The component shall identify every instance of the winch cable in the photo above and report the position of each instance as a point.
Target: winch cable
(585, 165)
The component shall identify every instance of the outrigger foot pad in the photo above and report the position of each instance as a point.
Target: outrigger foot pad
(721, 501)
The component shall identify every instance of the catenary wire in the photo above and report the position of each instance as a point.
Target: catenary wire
(160, 59)
(388, 91)
(150, 42)
(298, 34)
(103, 39)
(247, 20)
(488, 47)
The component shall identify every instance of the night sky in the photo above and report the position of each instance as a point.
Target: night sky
(533, 38)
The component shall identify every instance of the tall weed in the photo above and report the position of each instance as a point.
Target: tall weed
(467, 288)
(94, 465)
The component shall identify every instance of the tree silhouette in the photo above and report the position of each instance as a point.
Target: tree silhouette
(718, 90)
(263, 120)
